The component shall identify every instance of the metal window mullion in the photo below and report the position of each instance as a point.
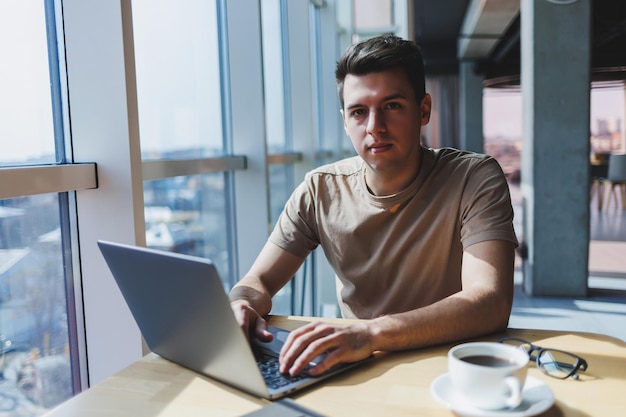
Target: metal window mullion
(56, 92)
(227, 140)
(66, 200)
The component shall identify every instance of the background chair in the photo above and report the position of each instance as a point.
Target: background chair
(616, 180)
(599, 167)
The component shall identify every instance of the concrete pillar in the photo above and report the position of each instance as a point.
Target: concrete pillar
(471, 108)
(555, 78)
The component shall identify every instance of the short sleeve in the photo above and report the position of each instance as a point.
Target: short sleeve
(296, 228)
(486, 210)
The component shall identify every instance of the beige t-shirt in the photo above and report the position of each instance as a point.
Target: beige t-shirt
(400, 252)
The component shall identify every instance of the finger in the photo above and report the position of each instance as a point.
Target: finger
(252, 324)
(342, 344)
(295, 344)
(312, 353)
(300, 358)
(331, 359)
(242, 319)
(260, 330)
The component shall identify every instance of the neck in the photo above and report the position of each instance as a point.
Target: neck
(389, 183)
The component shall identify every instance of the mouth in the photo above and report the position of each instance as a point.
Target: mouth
(379, 147)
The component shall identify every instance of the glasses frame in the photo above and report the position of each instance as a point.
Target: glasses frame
(580, 365)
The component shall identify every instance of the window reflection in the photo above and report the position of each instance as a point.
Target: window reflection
(190, 215)
(35, 367)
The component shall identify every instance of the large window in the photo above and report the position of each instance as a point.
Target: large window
(179, 94)
(40, 341)
(179, 125)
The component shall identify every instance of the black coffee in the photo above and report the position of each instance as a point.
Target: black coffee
(487, 360)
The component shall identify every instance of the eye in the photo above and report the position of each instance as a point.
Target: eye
(357, 112)
(393, 105)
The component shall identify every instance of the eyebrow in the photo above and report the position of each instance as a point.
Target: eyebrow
(390, 97)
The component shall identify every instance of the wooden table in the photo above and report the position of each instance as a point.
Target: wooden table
(393, 384)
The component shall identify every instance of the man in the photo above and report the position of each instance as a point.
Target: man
(421, 240)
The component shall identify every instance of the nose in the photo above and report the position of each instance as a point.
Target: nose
(376, 122)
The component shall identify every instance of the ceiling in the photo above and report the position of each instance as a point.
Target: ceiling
(437, 24)
(488, 32)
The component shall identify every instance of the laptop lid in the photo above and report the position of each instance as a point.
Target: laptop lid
(181, 308)
(184, 314)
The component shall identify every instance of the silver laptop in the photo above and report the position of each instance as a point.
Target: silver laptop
(183, 312)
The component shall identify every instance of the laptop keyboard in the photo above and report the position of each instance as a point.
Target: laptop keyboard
(269, 367)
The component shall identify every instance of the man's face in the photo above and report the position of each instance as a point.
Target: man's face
(383, 119)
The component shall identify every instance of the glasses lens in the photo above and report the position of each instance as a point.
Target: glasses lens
(522, 344)
(556, 363)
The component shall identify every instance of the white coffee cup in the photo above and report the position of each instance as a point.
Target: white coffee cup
(488, 375)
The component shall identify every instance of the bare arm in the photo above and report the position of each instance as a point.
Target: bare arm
(482, 306)
(251, 297)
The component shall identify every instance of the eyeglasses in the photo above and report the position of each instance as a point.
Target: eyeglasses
(553, 362)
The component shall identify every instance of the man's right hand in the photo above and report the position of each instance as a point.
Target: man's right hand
(251, 297)
(251, 322)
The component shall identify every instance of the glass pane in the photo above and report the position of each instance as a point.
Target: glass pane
(35, 368)
(282, 302)
(190, 215)
(372, 14)
(273, 78)
(281, 186)
(178, 82)
(26, 129)
(608, 108)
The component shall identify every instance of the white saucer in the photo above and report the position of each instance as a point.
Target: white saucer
(537, 398)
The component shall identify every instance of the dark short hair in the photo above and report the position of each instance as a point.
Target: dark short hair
(382, 53)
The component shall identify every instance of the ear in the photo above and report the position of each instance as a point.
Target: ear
(425, 108)
(343, 117)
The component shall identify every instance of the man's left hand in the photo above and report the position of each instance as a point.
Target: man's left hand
(341, 343)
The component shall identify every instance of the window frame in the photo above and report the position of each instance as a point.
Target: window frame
(104, 119)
